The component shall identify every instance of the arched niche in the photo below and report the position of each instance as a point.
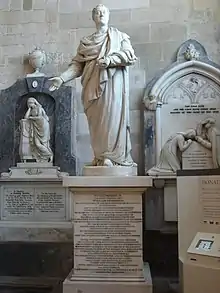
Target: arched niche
(180, 96)
(58, 106)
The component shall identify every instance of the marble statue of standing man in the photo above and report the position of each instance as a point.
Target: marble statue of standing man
(102, 61)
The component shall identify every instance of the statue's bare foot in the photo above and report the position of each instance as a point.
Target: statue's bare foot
(94, 162)
(128, 164)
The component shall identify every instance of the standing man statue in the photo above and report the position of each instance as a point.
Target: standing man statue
(102, 60)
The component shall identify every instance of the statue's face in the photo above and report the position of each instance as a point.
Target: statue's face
(101, 15)
(31, 104)
(208, 125)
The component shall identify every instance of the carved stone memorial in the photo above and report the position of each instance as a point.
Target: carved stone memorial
(184, 97)
(58, 119)
(108, 244)
(34, 203)
(36, 150)
(102, 61)
(182, 121)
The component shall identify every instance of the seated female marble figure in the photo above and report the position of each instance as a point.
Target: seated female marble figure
(170, 155)
(35, 134)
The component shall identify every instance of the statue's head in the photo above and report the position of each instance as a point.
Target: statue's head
(190, 134)
(100, 14)
(209, 122)
(32, 103)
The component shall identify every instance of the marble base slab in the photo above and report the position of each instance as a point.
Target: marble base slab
(36, 232)
(99, 285)
(109, 171)
(33, 171)
(107, 182)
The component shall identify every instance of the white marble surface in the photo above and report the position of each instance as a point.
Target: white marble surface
(197, 157)
(33, 171)
(112, 286)
(192, 130)
(106, 171)
(31, 203)
(170, 158)
(101, 59)
(35, 134)
(107, 232)
(34, 203)
(183, 120)
(107, 181)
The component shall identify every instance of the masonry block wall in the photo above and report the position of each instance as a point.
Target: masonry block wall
(157, 28)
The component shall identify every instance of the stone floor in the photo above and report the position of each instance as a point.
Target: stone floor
(165, 285)
(161, 285)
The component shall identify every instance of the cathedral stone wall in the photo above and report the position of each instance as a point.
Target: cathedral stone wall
(157, 28)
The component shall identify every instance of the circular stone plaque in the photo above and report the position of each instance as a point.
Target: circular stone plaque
(34, 84)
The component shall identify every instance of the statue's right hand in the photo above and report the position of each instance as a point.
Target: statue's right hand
(56, 83)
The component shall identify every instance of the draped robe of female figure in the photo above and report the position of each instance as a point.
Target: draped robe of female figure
(210, 139)
(170, 155)
(36, 127)
(105, 93)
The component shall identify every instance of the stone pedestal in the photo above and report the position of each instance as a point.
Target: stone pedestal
(36, 223)
(108, 235)
(34, 171)
(109, 171)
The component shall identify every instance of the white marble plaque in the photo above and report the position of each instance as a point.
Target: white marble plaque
(108, 235)
(18, 202)
(197, 157)
(50, 202)
(210, 199)
(33, 203)
(178, 118)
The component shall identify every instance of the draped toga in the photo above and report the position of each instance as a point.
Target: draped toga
(105, 94)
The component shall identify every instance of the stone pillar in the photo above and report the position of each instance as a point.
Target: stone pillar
(108, 252)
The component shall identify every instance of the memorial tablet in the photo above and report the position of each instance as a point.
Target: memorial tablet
(107, 229)
(50, 202)
(33, 203)
(18, 202)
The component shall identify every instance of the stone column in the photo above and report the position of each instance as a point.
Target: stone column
(107, 215)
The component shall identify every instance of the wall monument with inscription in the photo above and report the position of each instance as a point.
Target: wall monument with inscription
(182, 107)
(186, 94)
(36, 151)
(108, 244)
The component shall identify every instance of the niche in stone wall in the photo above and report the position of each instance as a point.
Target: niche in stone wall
(58, 106)
(48, 104)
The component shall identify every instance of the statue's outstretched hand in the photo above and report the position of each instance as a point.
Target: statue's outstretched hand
(56, 83)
